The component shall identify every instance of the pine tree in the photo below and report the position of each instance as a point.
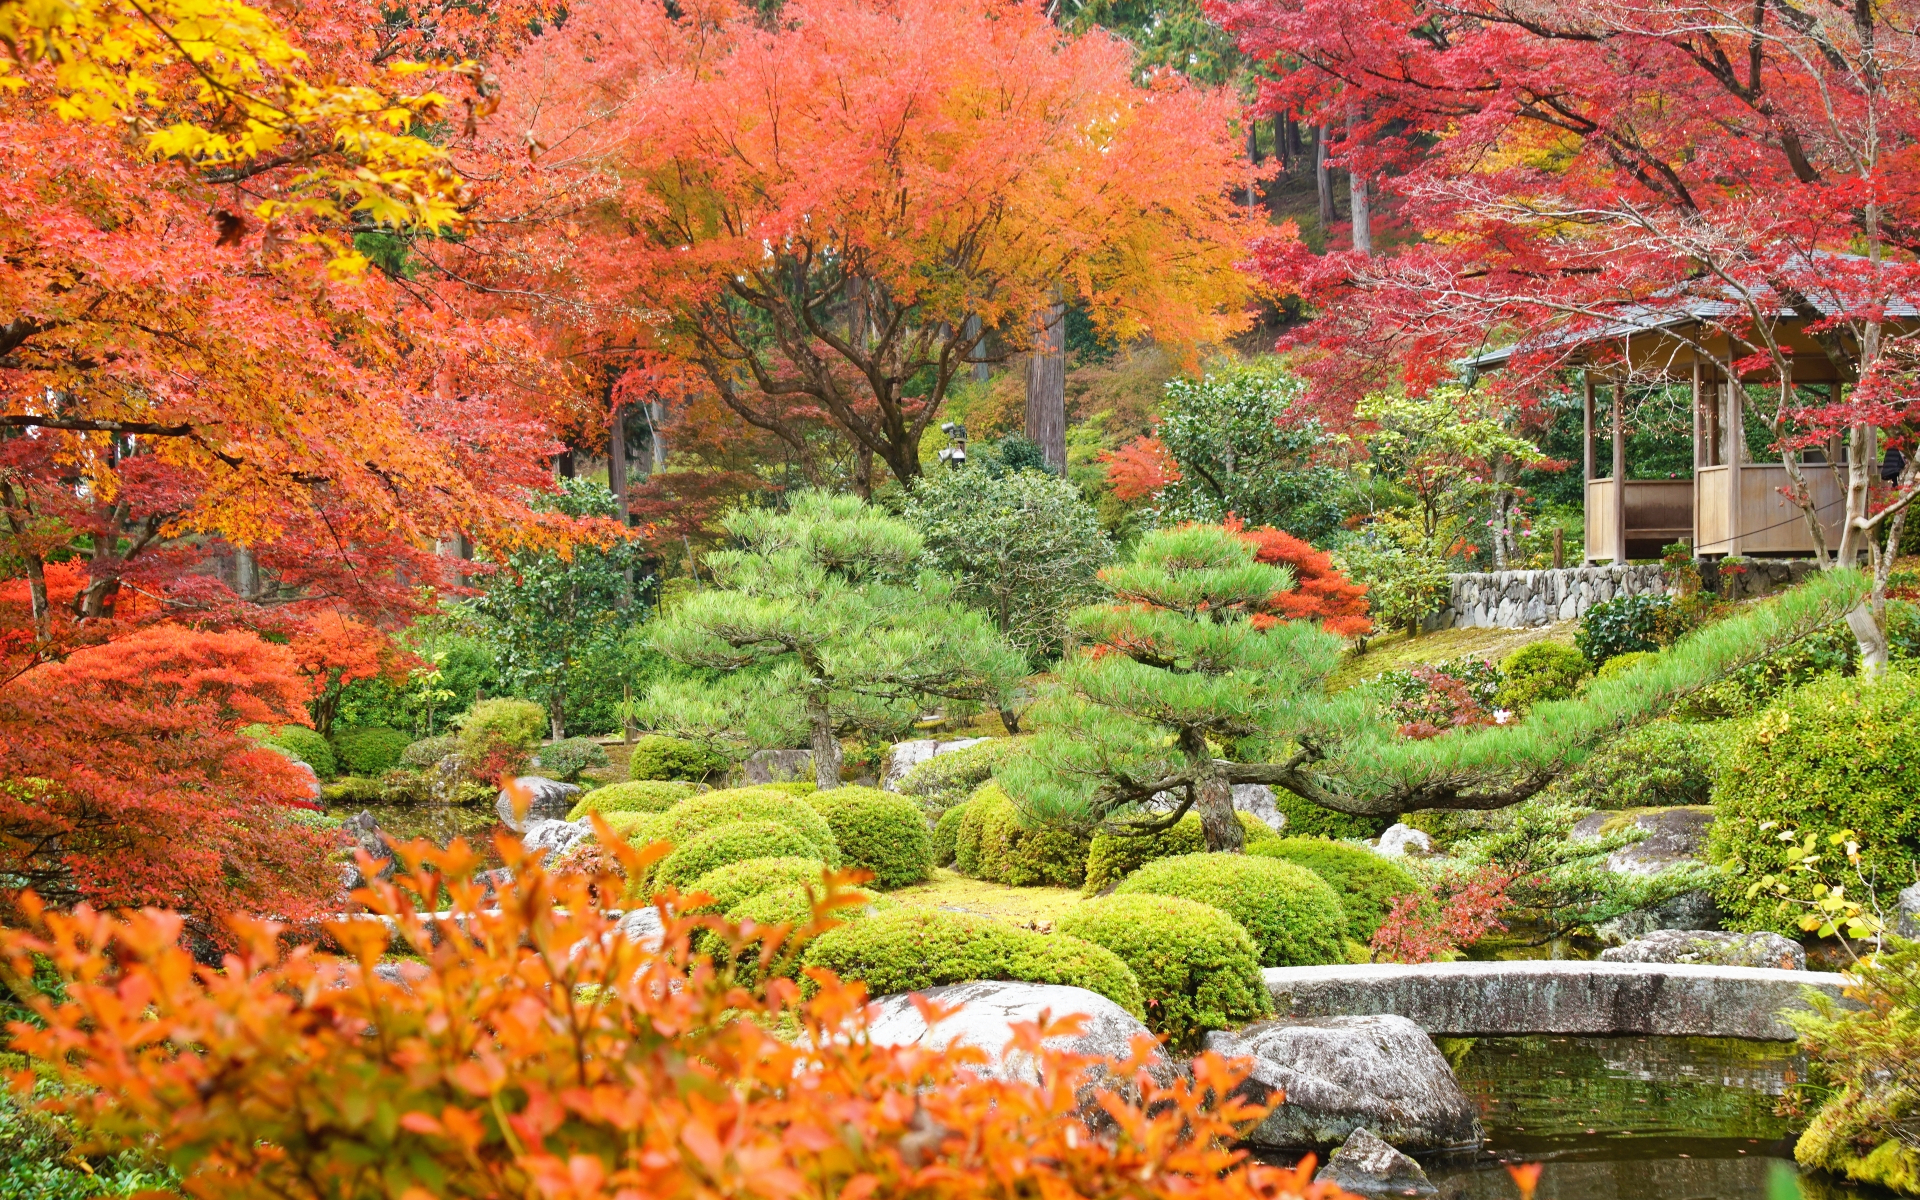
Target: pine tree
(824, 623)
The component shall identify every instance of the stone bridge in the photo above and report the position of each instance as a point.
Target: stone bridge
(1595, 999)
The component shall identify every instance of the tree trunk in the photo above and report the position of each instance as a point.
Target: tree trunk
(556, 713)
(563, 467)
(246, 573)
(1047, 386)
(978, 352)
(617, 460)
(1359, 203)
(18, 518)
(826, 747)
(1323, 180)
(1870, 632)
(1213, 798)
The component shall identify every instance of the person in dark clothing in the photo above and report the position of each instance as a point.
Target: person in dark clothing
(1891, 466)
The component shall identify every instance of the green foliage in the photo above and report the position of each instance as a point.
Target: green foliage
(792, 787)
(368, 750)
(649, 796)
(1115, 855)
(303, 743)
(1366, 882)
(1293, 915)
(879, 832)
(427, 752)
(1246, 444)
(946, 836)
(1541, 671)
(517, 723)
(657, 756)
(637, 828)
(1620, 664)
(1197, 967)
(913, 950)
(823, 623)
(1622, 625)
(1406, 582)
(1024, 547)
(735, 841)
(1662, 764)
(565, 759)
(41, 1159)
(946, 780)
(1001, 847)
(735, 882)
(1837, 754)
(1866, 1063)
(790, 905)
(1830, 651)
(698, 814)
(1307, 819)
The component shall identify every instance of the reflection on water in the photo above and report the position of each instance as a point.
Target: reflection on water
(439, 823)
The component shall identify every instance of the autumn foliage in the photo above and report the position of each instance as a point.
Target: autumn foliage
(1320, 592)
(534, 1050)
(1430, 928)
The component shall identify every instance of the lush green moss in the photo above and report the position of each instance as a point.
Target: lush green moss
(1836, 754)
(1196, 966)
(1366, 882)
(657, 756)
(1865, 1061)
(733, 842)
(1541, 671)
(301, 742)
(649, 795)
(946, 836)
(731, 884)
(911, 950)
(878, 832)
(1293, 915)
(638, 828)
(700, 813)
(370, 750)
(792, 787)
(995, 845)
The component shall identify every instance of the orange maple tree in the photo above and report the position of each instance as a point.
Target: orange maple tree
(1321, 591)
(533, 1049)
(335, 649)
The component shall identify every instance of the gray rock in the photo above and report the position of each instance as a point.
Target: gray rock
(1341, 1074)
(1368, 1166)
(1688, 910)
(1257, 798)
(404, 974)
(643, 927)
(1706, 947)
(905, 756)
(366, 835)
(778, 766)
(1906, 907)
(546, 800)
(309, 780)
(1401, 841)
(555, 837)
(1676, 835)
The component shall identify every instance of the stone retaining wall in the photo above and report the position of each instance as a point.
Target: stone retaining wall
(1517, 599)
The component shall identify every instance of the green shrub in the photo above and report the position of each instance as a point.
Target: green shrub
(736, 881)
(1293, 915)
(301, 742)
(1114, 856)
(1539, 672)
(1620, 664)
(791, 905)
(1255, 830)
(428, 752)
(1307, 819)
(912, 950)
(651, 795)
(519, 723)
(1662, 764)
(1836, 754)
(1864, 1066)
(697, 814)
(792, 787)
(565, 759)
(1196, 966)
(351, 789)
(946, 836)
(733, 842)
(638, 828)
(370, 750)
(946, 780)
(879, 832)
(1365, 882)
(657, 756)
(1622, 625)
(1832, 651)
(1004, 850)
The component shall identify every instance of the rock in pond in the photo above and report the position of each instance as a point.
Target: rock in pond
(1399, 841)
(1341, 1074)
(1711, 948)
(1368, 1166)
(546, 800)
(778, 766)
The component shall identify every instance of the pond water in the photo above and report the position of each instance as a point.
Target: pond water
(441, 823)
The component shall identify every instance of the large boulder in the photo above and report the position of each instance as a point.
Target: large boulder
(1257, 799)
(1674, 836)
(546, 800)
(1711, 948)
(365, 834)
(1696, 910)
(1402, 841)
(309, 780)
(555, 837)
(778, 766)
(905, 756)
(1906, 909)
(643, 927)
(1342, 1074)
(1367, 1166)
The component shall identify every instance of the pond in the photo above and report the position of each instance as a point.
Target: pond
(441, 823)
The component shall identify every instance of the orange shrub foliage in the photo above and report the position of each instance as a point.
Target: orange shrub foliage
(538, 1053)
(1320, 589)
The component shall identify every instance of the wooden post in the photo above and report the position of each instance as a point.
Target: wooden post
(1619, 471)
(1559, 547)
(1586, 463)
(1736, 455)
(1698, 460)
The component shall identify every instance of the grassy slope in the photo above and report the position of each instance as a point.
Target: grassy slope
(1398, 650)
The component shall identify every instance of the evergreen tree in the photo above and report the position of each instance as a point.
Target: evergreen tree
(824, 623)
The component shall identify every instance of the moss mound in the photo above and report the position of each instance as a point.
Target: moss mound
(1197, 967)
(993, 844)
(1293, 915)
(697, 814)
(733, 842)
(651, 796)
(1366, 882)
(878, 832)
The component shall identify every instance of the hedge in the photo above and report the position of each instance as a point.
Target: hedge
(652, 795)
(1196, 966)
(369, 750)
(911, 950)
(1001, 849)
(1293, 915)
(1114, 856)
(946, 835)
(1366, 882)
(735, 841)
(301, 742)
(698, 814)
(878, 832)
(657, 756)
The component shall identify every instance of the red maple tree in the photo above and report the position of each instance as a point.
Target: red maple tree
(1321, 591)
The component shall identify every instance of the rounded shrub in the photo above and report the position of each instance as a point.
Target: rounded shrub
(1307, 819)
(791, 905)
(1620, 664)
(879, 832)
(428, 752)
(1365, 882)
(518, 723)
(1255, 830)
(369, 750)
(697, 814)
(1662, 764)
(1540, 672)
(1003, 849)
(792, 787)
(565, 759)
(911, 950)
(638, 828)
(1196, 966)
(946, 780)
(1293, 915)
(1114, 856)
(303, 743)
(657, 756)
(652, 795)
(736, 881)
(1835, 754)
(946, 836)
(1622, 625)
(733, 842)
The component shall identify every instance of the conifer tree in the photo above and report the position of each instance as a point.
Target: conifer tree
(825, 622)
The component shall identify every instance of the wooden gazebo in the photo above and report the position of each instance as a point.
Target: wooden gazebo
(1732, 504)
